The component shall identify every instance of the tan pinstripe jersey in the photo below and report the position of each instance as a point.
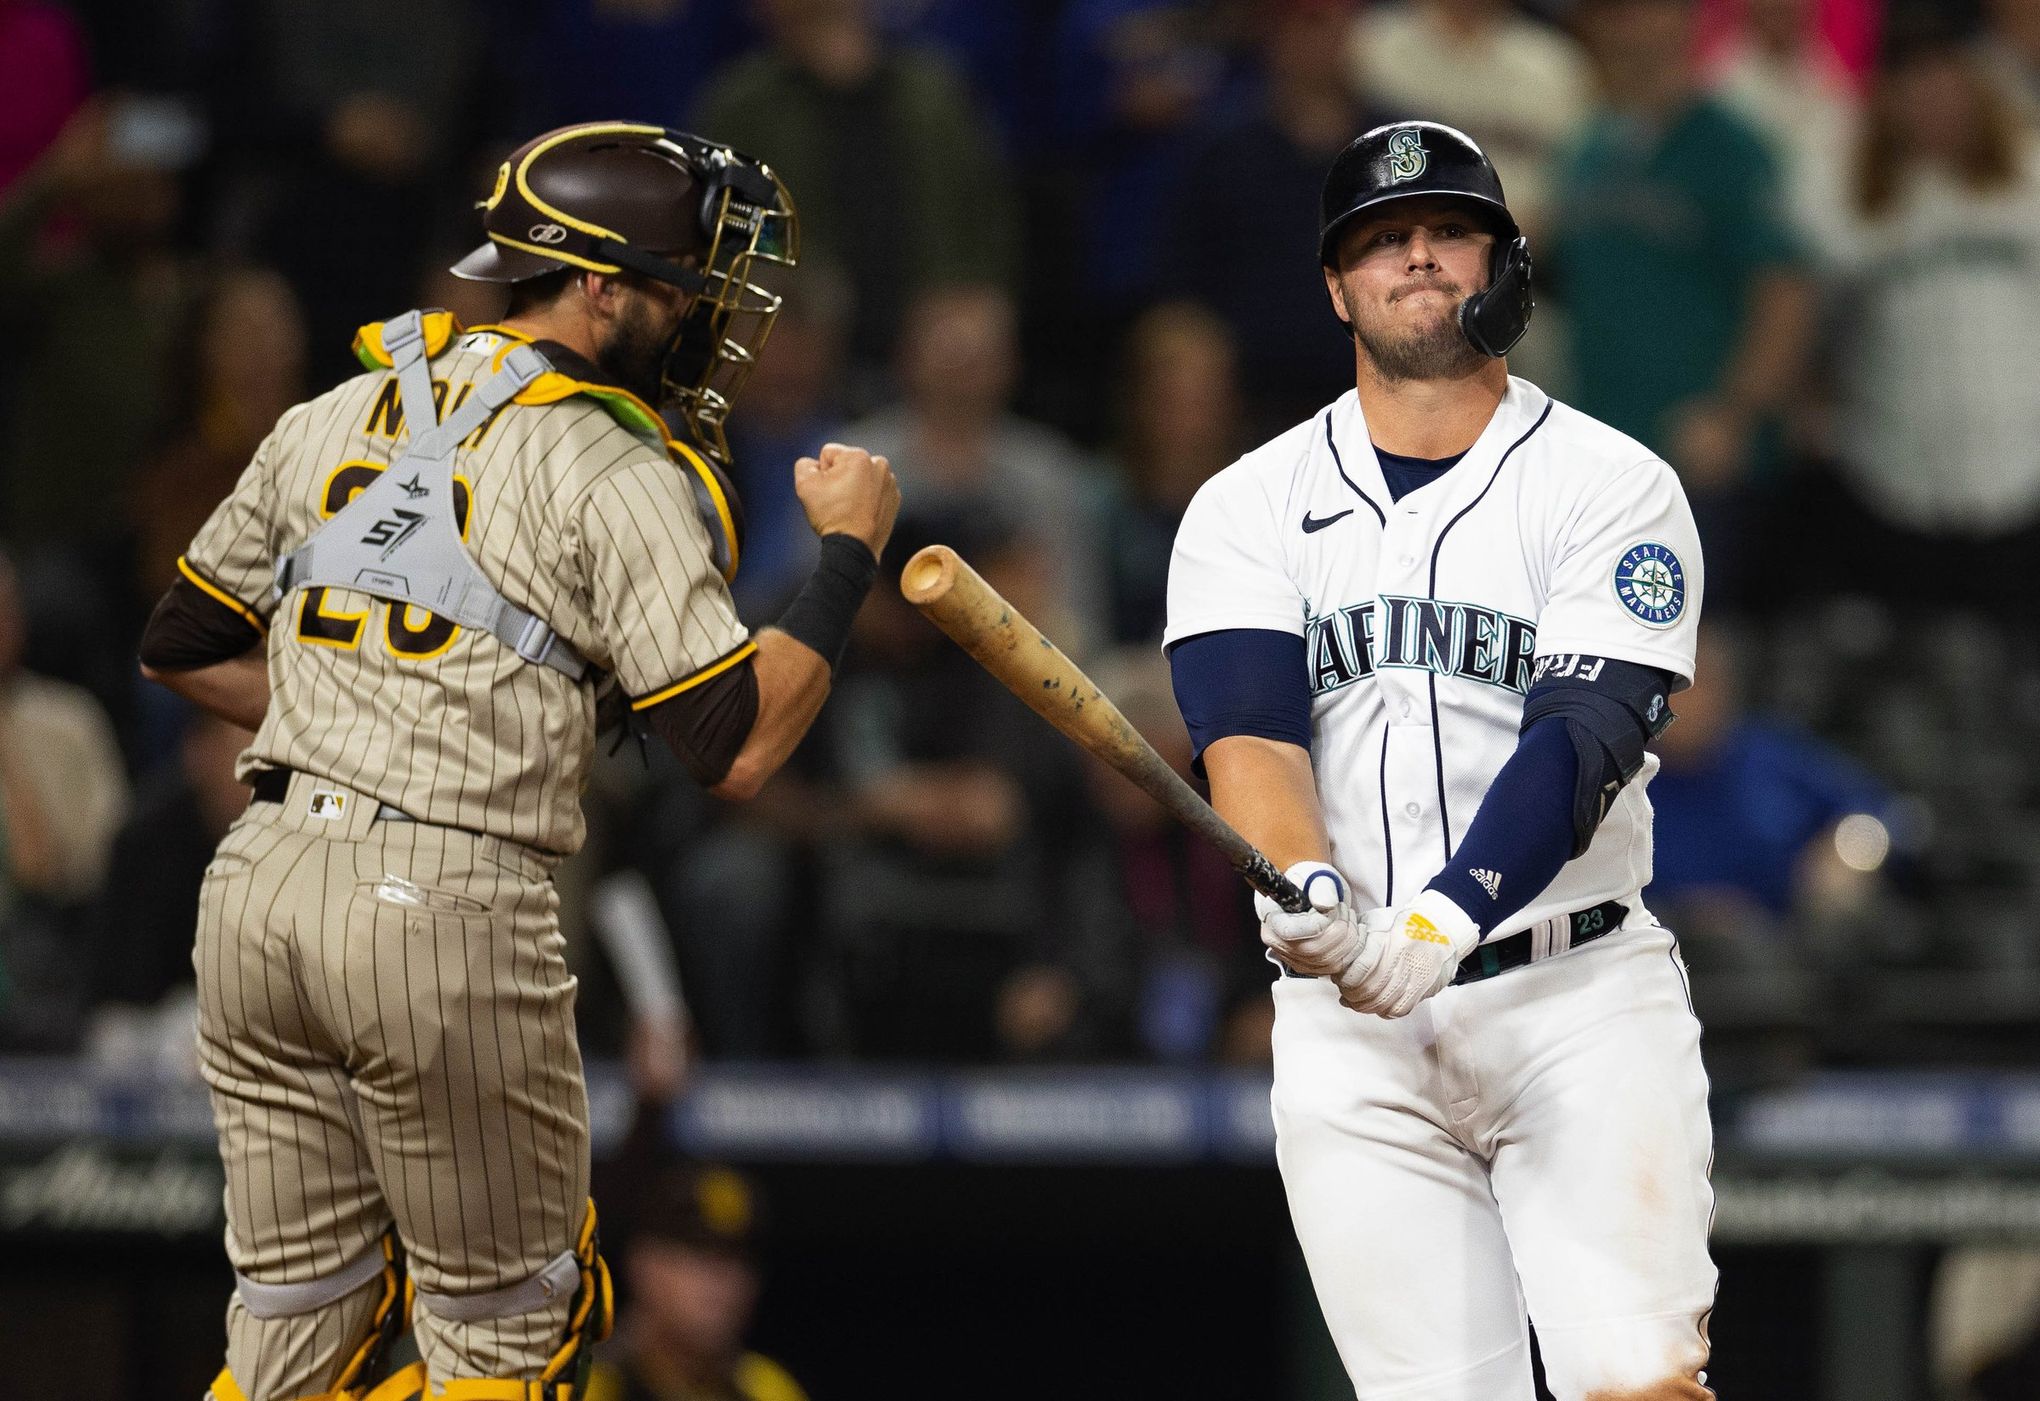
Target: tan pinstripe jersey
(568, 514)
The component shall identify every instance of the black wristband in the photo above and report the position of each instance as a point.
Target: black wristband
(821, 613)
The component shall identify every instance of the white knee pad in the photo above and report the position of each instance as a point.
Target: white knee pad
(385, 1261)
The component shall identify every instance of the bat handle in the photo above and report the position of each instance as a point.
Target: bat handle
(1260, 873)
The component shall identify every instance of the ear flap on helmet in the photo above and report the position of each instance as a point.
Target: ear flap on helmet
(1494, 318)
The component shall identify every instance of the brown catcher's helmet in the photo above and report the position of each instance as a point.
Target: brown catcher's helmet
(611, 197)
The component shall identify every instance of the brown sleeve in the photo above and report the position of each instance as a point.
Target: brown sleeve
(192, 628)
(706, 725)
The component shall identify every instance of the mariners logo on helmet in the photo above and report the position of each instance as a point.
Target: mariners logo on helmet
(1407, 157)
(1651, 583)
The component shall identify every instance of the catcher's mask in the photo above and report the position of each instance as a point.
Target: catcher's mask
(614, 196)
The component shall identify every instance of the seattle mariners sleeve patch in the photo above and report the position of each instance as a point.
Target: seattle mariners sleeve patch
(1651, 583)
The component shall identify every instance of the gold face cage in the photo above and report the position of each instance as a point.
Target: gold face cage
(732, 315)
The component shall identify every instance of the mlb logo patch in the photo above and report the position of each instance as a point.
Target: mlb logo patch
(327, 805)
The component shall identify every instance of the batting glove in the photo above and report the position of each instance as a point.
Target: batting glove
(1419, 953)
(1326, 941)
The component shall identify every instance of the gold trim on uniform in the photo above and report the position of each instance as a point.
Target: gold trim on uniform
(713, 484)
(709, 672)
(218, 594)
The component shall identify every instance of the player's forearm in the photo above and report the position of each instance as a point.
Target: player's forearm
(797, 658)
(236, 690)
(793, 681)
(1266, 789)
(1521, 835)
(1767, 366)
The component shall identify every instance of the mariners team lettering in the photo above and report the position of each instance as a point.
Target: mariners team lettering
(1420, 634)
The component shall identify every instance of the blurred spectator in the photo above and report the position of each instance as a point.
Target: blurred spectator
(358, 135)
(90, 291)
(954, 444)
(1001, 46)
(1163, 930)
(1132, 80)
(1179, 422)
(142, 922)
(897, 177)
(1779, 73)
(238, 363)
(1248, 214)
(792, 404)
(635, 60)
(687, 1285)
(2010, 49)
(1757, 822)
(1689, 309)
(1519, 88)
(1845, 29)
(43, 80)
(946, 825)
(1983, 1323)
(1937, 262)
(62, 794)
(62, 791)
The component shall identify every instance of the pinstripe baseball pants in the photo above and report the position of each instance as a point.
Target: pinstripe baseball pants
(386, 1024)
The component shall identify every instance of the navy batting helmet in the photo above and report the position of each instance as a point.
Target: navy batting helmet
(1406, 159)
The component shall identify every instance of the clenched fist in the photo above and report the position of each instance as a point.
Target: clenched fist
(847, 491)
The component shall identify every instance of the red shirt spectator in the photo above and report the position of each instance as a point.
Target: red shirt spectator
(42, 81)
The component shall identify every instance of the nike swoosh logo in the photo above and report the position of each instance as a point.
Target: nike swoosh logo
(1312, 523)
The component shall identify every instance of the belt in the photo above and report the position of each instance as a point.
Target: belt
(270, 786)
(1583, 926)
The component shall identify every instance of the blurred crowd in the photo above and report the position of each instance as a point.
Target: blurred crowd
(1056, 267)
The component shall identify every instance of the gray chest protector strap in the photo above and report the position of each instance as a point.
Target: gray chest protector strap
(399, 539)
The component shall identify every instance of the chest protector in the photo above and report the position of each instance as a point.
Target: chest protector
(399, 539)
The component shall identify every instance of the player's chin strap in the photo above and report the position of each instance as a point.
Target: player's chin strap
(400, 539)
(392, 1315)
(588, 1321)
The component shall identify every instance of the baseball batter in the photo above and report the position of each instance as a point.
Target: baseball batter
(1421, 641)
(416, 592)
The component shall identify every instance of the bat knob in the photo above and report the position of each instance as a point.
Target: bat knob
(929, 575)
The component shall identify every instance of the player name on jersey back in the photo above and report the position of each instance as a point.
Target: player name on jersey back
(569, 515)
(1425, 619)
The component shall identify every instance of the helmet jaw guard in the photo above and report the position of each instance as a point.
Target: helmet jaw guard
(1495, 318)
(1404, 160)
(646, 196)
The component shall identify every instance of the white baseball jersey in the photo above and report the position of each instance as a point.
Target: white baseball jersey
(1536, 1142)
(1425, 618)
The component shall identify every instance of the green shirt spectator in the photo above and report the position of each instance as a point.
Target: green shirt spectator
(897, 177)
(1663, 236)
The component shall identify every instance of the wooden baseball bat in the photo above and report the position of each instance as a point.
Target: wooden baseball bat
(958, 600)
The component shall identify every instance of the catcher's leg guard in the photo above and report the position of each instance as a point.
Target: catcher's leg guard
(589, 1316)
(383, 1263)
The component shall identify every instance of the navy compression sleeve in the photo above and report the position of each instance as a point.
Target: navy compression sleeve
(1523, 833)
(1586, 721)
(1241, 681)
